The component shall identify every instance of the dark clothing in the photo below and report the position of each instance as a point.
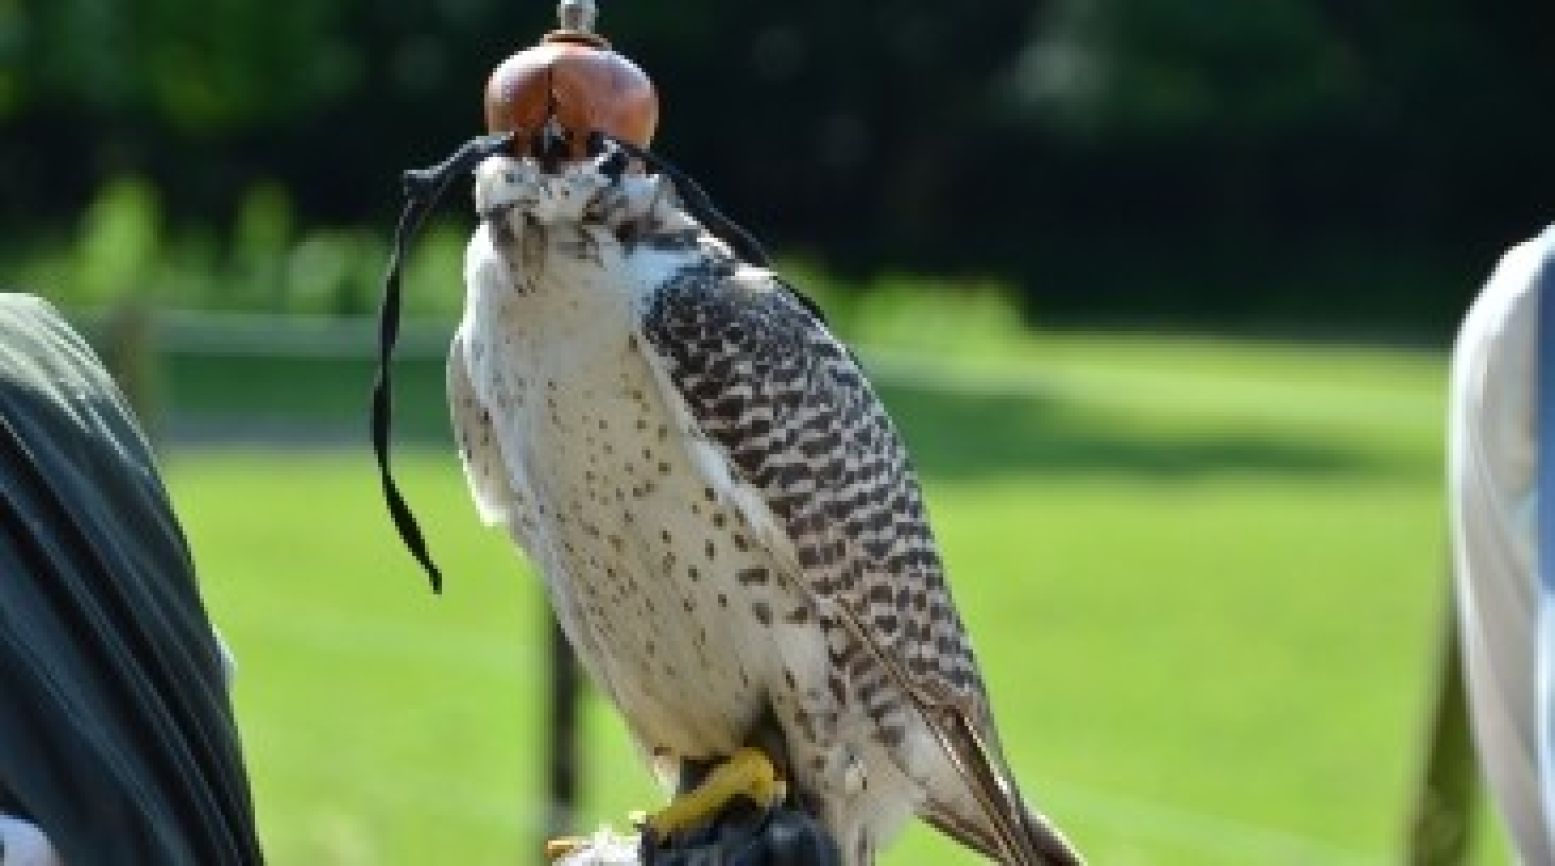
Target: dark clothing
(116, 733)
(743, 836)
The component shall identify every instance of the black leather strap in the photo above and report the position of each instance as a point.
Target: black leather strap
(423, 188)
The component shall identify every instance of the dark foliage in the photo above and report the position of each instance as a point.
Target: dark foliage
(1334, 161)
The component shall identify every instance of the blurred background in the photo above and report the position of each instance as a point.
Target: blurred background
(1159, 290)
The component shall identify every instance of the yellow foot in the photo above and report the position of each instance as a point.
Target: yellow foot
(748, 773)
(556, 849)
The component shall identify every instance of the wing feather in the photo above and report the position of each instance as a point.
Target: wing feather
(766, 387)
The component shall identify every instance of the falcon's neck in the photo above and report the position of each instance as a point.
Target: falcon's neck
(564, 264)
(563, 293)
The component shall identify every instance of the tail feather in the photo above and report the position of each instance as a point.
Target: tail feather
(1006, 830)
(1048, 841)
(1045, 844)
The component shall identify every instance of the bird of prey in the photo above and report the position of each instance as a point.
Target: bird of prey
(726, 520)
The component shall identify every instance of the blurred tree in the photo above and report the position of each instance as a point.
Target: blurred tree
(1150, 70)
(117, 243)
(1227, 158)
(261, 239)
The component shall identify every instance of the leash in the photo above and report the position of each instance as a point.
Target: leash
(423, 187)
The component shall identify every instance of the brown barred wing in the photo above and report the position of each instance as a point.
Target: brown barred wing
(786, 401)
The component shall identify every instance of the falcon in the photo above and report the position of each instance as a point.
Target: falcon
(725, 518)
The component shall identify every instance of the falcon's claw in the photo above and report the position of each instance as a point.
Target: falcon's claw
(556, 849)
(748, 773)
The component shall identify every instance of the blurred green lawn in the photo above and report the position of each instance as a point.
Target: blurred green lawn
(1204, 577)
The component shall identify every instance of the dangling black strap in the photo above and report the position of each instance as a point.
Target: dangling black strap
(423, 187)
(700, 205)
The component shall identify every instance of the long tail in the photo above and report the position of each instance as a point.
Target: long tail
(1044, 844)
(1006, 830)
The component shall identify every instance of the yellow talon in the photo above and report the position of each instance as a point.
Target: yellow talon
(556, 849)
(748, 773)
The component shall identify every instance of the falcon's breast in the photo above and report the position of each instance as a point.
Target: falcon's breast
(728, 522)
(568, 439)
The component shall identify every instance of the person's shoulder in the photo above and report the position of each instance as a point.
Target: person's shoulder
(27, 305)
(33, 320)
(38, 343)
(1508, 296)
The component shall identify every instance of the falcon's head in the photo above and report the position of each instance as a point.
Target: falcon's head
(605, 191)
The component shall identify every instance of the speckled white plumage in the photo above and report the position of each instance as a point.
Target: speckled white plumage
(570, 444)
(693, 602)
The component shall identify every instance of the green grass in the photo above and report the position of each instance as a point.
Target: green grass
(1204, 579)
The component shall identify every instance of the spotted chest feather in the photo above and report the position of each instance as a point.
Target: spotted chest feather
(728, 522)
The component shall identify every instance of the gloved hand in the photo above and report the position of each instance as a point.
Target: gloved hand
(747, 836)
